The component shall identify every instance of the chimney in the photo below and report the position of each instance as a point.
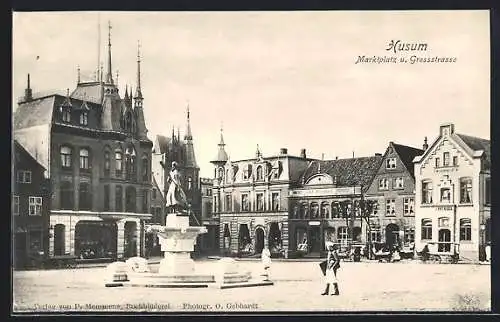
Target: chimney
(283, 151)
(378, 154)
(336, 158)
(425, 146)
(28, 93)
(303, 153)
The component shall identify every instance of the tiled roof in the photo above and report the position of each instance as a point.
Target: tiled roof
(347, 172)
(477, 144)
(407, 154)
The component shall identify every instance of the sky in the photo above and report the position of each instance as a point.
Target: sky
(274, 79)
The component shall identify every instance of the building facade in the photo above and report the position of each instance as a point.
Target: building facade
(30, 209)
(453, 194)
(325, 205)
(209, 242)
(251, 199)
(94, 144)
(393, 189)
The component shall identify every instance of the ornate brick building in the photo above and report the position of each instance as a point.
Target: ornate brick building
(94, 145)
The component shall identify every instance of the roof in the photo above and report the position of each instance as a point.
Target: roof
(347, 172)
(477, 144)
(34, 113)
(163, 143)
(221, 155)
(406, 155)
(18, 148)
(91, 92)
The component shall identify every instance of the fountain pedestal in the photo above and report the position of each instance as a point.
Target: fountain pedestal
(177, 241)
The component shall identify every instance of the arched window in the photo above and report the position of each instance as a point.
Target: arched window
(304, 213)
(84, 118)
(220, 173)
(130, 164)
(107, 163)
(145, 170)
(84, 159)
(65, 157)
(119, 163)
(465, 229)
(259, 172)
(426, 229)
(130, 200)
(325, 213)
(66, 114)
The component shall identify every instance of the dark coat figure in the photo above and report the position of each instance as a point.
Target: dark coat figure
(332, 265)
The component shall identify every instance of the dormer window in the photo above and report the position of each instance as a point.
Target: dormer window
(84, 118)
(66, 114)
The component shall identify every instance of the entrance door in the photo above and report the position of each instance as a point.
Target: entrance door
(392, 235)
(444, 244)
(315, 239)
(259, 240)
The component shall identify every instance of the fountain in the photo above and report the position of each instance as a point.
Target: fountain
(177, 239)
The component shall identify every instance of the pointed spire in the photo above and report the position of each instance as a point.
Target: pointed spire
(173, 134)
(257, 153)
(126, 93)
(117, 74)
(138, 92)
(221, 143)
(189, 135)
(109, 75)
(28, 93)
(178, 134)
(98, 74)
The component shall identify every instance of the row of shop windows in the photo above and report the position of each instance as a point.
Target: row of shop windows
(66, 154)
(85, 197)
(446, 193)
(444, 222)
(97, 239)
(343, 209)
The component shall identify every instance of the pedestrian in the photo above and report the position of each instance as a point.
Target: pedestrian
(332, 265)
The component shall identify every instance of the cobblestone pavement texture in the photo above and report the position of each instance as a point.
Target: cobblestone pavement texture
(297, 286)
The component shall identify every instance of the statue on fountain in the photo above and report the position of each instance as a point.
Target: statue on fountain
(176, 198)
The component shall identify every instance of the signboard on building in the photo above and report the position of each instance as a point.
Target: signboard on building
(321, 192)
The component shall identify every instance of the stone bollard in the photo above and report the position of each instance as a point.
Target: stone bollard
(137, 265)
(116, 274)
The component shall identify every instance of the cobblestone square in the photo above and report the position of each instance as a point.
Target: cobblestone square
(364, 286)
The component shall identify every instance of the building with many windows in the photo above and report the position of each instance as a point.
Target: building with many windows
(325, 205)
(95, 148)
(392, 222)
(30, 208)
(453, 194)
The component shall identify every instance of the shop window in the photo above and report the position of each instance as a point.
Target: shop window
(301, 239)
(343, 234)
(465, 229)
(409, 236)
